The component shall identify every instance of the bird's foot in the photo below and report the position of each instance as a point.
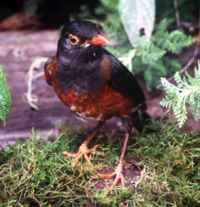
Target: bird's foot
(117, 175)
(83, 152)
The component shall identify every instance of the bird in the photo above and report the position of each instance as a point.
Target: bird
(94, 84)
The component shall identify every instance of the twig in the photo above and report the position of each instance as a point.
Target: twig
(189, 63)
(177, 13)
(37, 63)
(186, 67)
(196, 51)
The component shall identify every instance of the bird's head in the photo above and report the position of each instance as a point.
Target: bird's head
(81, 35)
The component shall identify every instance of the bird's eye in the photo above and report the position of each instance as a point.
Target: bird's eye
(74, 40)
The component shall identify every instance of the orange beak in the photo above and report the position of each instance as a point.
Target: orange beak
(99, 40)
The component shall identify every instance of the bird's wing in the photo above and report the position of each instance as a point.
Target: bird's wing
(123, 81)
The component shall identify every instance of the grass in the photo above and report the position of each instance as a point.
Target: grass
(35, 173)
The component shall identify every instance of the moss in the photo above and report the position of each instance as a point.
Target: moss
(35, 172)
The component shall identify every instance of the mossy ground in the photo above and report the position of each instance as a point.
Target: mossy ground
(35, 173)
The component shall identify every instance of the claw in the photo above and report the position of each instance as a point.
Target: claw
(118, 174)
(83, 152)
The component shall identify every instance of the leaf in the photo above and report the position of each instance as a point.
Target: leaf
(182, 96)
(138, 18)
(5, 96)
(127, 59)
(149, 52)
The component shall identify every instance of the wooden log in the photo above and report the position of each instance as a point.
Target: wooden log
(17, 51)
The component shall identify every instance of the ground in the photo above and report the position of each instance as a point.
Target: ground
(35, 173)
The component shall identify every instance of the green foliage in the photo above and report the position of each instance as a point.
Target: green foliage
(151, 58)
(5, 96)
(185, 93)
(36, 172)
(112, 5)
(112, 23)
(173, 41)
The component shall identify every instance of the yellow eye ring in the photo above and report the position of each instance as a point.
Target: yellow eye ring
(74, 40)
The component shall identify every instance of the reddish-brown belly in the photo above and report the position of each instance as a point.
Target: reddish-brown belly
(101, 104)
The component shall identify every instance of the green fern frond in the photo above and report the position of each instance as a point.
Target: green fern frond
(186, 92)
(5, 96)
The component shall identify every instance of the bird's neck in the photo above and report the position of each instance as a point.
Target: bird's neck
(76, 66)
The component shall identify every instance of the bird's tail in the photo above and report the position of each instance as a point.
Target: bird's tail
(139, 118)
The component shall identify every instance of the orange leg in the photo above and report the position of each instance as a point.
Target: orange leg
(118, 173)
(83, 150)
